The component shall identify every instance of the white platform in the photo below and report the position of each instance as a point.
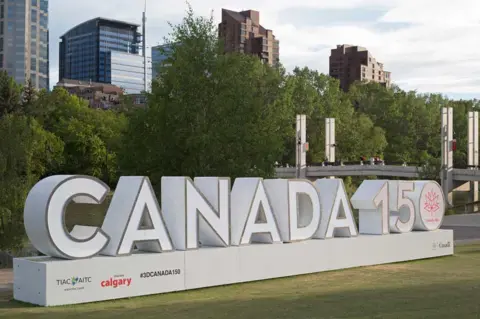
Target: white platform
(35, 279)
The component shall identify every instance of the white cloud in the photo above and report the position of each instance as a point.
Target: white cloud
(438, 52)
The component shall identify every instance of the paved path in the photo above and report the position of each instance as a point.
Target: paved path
(6, 280)
(466, 227)
(464, 220)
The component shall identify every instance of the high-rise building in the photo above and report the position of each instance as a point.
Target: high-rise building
(353, 63)
(242, 32)
(160, 53)
(105, 51)
(24, 41)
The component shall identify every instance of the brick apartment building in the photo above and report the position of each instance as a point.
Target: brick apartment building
(242, 32)
(98, 95)
(353, 63)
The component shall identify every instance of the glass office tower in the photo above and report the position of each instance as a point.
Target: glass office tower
(86, 51)
(126, 71)
(24, 41)
(159, 54)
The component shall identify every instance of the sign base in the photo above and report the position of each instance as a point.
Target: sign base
(48, 281)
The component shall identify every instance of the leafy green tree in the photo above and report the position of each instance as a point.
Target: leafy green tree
(29, 96)
(10, 95)
(319, 96)
(209, 114)
(92, 137)
(27, 152)
(411, 121)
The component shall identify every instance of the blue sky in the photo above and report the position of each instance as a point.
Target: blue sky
(428, 45)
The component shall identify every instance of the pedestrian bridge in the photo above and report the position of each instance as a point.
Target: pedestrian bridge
(314, 172)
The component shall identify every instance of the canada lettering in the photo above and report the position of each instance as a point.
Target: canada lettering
(208, 211)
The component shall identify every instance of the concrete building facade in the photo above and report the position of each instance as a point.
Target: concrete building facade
(242, 32)
(350, 63)
(24, 41)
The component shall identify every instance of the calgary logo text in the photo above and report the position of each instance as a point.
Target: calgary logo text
(116, 281)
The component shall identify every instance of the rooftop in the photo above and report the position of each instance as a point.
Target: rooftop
(101, 19)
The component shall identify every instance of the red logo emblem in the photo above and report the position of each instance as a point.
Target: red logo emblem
(432, 205)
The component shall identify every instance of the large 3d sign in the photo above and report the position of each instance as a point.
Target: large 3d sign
(209, 212)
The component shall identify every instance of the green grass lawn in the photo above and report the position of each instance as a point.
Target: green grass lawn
(437, 288)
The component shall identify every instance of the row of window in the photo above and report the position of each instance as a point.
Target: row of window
(123, 35)
(114, 30)
(43, 4)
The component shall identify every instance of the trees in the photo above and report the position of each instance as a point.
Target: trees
(10, 94)
(411, 121)
(92, 137)
(209, 114)
(319, 96)
(27, 152)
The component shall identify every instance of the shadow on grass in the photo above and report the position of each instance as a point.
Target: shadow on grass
(450, 300)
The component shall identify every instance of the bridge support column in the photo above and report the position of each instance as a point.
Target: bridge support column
(473, 153)
(446, 172)
(330, 140)
(301, 147)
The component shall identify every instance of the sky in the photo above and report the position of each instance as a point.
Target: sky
(431, 46)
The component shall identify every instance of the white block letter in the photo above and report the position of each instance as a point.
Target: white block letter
(44, 216)
(337, 217)
(183, 204)
(371, 199)
(209, 199)
(304, 209)
(134, 202)
(252, 215)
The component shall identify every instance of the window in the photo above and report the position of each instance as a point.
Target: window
(34, 3)
(10, 26)
(43, 36)
(11, 12)
(44, 5)
(2, 11)
(373, 77)
(44, 20)
(33, 64)
(43, 67)
(34, 16)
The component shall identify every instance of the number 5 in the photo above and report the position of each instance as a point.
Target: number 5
(402, 208)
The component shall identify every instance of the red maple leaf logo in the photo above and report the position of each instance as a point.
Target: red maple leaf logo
(432, 204)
